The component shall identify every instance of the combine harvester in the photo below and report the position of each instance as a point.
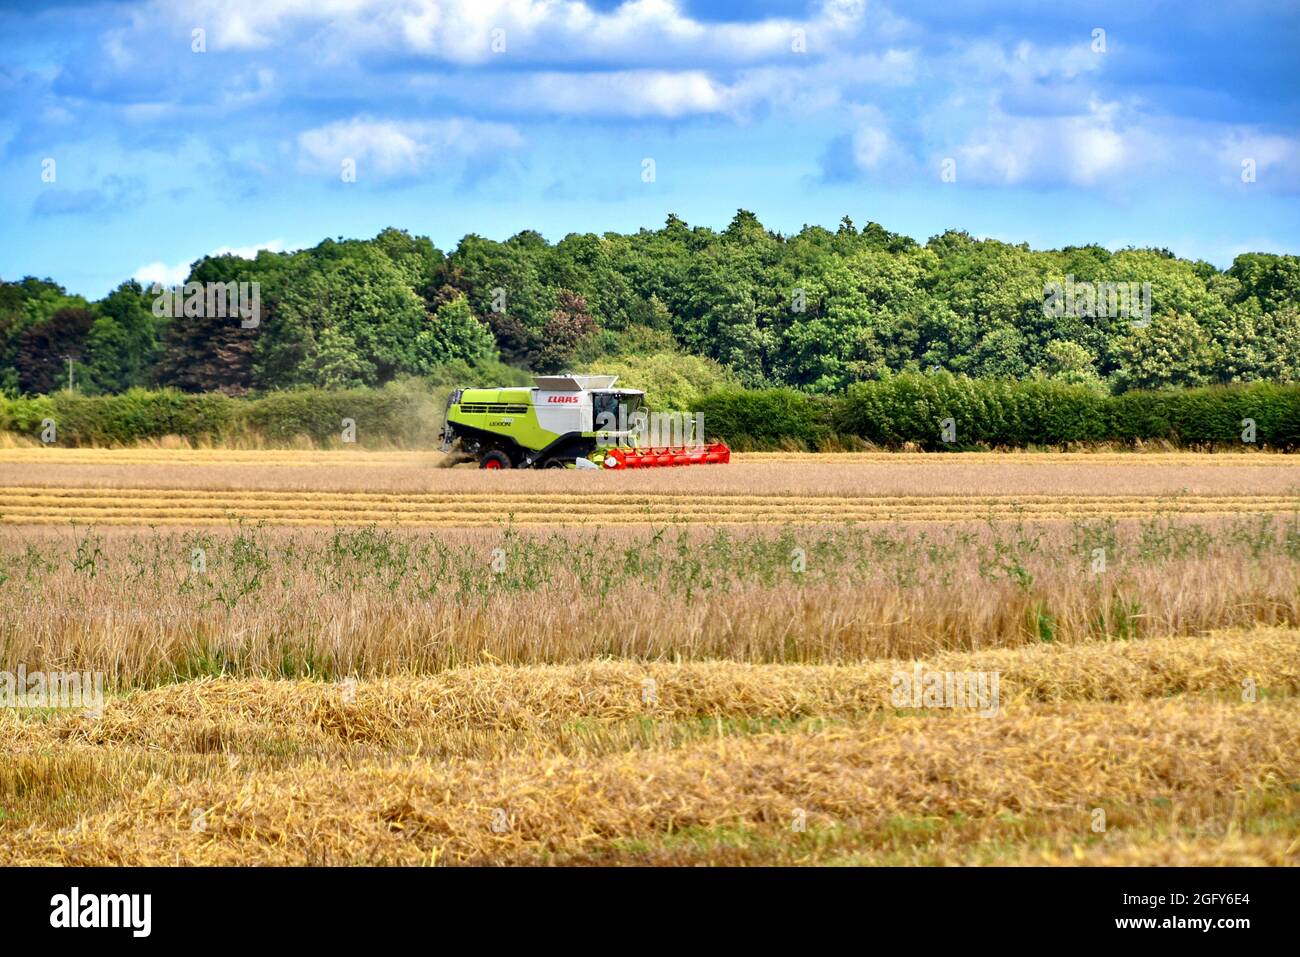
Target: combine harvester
(563, 421)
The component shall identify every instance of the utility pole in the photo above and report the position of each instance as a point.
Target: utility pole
(71, 384)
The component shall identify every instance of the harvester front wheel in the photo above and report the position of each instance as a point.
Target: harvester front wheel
(495, 460)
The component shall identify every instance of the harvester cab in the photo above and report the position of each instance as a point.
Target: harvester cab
(562, 421)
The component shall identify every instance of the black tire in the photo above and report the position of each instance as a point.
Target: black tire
(557, 464)
(495, 460)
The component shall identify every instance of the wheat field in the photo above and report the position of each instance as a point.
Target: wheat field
(367, 658)
(573, 764)
(305, 487)
(28, 506)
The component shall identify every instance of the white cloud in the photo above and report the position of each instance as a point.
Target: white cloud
(161, 273)
(1081, 149)
(115, 49)
(798, 89)
(1011, 113)
(250, 252)
(249, 87)
(803, 88)
(1276, 158)
(173, 275)
(642, 58)
(252, 24)
(399, 148)
(876, 145)
(1109, 145)
(870, 144)
(631, 93)
(1027, 63)
(636, 33)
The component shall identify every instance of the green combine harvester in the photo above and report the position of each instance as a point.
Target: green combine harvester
(562, 421)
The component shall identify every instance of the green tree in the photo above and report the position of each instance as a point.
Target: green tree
(122, 346)
(1273, 281)
(1069, 362)
(45, 347)
(671, 381)
(1000, 354)
(336, 362)
(452, 333)
(357, 291)
(570, 324)
(818, 310)
(204, 351)
(1172, 351)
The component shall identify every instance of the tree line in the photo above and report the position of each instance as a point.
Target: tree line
(816, 311)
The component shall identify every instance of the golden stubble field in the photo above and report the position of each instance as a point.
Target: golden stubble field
(210, 487)
(352, 657)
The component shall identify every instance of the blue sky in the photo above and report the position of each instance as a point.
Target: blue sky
(1065, 123)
